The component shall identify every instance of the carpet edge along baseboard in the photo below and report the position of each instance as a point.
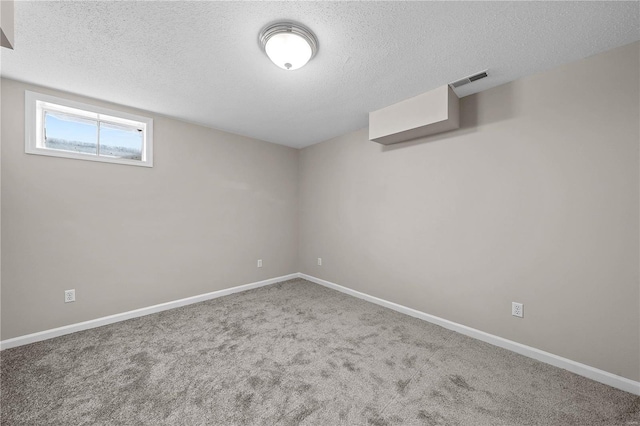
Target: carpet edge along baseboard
(136, 313)
(584, 370)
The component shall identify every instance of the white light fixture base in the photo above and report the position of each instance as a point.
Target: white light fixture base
(289, 45)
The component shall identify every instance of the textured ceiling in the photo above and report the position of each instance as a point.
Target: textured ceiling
(200, 61)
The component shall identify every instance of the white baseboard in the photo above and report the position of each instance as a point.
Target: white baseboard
(592, 373)
(528, 351)
(98, 322)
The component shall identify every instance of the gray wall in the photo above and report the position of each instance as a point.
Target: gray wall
(127, 237)
(535, 200)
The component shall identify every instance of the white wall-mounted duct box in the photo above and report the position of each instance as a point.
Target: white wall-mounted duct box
(6, 23)
(433, 112)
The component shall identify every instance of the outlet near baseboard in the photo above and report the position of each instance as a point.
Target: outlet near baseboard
(517, 309)
(69, 296)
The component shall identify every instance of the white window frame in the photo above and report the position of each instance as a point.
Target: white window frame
(36, 103)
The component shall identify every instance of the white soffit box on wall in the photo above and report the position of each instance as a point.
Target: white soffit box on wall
(433, 112)
(6, 24)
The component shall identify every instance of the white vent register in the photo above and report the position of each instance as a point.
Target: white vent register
(433, 112)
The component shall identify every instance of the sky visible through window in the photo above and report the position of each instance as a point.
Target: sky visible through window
(84, 131)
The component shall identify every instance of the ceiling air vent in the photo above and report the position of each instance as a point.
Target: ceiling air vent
(469, 79)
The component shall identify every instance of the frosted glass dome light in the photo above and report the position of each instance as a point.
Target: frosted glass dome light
(290, 46)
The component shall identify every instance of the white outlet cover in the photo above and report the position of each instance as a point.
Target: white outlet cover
(259, 263)
(517, 309)
(319, 261)
(69, 296)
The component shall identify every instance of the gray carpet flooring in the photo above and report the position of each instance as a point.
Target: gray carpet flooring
(288, 354)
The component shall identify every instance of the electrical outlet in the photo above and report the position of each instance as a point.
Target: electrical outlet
(517, 309)
(259, 263)
(319, 261)
(69, 296)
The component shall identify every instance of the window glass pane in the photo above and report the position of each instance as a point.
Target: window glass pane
(121, 141)
(65, 132)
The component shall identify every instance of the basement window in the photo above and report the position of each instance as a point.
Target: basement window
(62, 128)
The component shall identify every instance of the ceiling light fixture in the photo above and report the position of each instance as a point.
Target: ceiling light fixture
(289, 45)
